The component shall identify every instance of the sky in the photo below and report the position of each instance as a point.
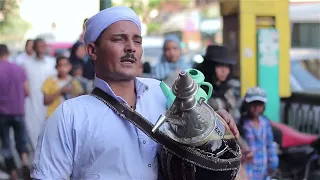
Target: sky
(68, 15)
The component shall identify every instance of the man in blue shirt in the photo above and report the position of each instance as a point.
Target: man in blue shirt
(84, 139)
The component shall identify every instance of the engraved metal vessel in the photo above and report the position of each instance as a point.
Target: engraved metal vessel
(194, 123)
(188, 121)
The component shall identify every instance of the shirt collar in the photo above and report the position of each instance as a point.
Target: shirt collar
(104, 86)
(26, 54)
(35, 57)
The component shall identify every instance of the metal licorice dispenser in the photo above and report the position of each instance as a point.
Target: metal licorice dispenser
(194, 124)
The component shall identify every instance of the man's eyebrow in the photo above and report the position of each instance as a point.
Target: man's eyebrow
(137, 36)
(118, 34)
(122, 34)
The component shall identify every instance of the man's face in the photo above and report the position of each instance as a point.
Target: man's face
(117, 54)
(172, 51)
(41, 47)
(29, 47)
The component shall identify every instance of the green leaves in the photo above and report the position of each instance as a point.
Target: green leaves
(12, 24)
(153, 27)
(144, 9)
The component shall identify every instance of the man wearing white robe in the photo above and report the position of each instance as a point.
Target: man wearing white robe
(83, 138)
(38, 69)
(26, 55)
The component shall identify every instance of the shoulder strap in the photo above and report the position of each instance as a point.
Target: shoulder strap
(189, 154)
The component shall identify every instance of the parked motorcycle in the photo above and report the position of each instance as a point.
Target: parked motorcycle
(299, 157)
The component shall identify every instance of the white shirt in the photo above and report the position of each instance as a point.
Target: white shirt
(85, 139)
(22, 58)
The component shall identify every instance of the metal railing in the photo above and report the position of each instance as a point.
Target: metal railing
(302, 112)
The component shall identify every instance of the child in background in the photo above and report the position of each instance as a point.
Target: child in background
(77, 73)
(257, 132)
(59, 88)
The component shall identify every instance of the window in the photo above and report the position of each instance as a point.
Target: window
(312, 66)
(305, 35)
(304, 76)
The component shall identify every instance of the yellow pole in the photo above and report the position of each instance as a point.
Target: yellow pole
(247, 13)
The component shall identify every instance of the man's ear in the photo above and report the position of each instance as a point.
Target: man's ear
(92, 50)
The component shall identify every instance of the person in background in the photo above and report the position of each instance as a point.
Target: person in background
(171, 61)
(144, 70)
(77, 73)
(57, 89)
(27, 54)
(257, 132)
(13, 90)
(88, 69)
(81, 39)
(38, 69)
(79, 56)
(216, 68)
(140, 70)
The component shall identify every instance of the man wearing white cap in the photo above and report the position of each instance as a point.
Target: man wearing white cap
(84, 138)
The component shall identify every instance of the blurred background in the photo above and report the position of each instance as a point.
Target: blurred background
(197, 23)
(275, 44)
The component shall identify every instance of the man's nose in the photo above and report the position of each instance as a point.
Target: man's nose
(130, 47)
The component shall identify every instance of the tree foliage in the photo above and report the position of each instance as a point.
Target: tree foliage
(12, 24)
(145, 8)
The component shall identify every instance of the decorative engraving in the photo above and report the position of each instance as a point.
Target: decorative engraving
(198, 129)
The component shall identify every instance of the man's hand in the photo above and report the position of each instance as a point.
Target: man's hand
(229, 120)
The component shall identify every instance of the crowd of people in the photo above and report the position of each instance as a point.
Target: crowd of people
(35, 87)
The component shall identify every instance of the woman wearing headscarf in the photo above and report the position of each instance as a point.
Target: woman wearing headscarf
(216, 68)
(78, 56)
(171, 61)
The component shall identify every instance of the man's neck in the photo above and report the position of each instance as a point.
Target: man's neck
(40, 56)
(124, 89)
(29, 53)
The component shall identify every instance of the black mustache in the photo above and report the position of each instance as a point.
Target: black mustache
(128, 56)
